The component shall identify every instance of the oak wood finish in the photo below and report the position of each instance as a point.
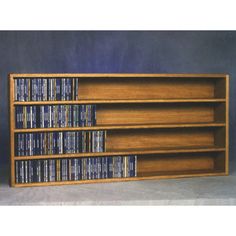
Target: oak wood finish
(155, 138)
(127, 152)
(112, 101)
(142, 88)
(164, 175)
(124, 114)
(149, 165)
(131, 126)
(177, 124)
(12, 129)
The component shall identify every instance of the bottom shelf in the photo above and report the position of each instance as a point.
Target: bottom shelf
(163, 175)
(143, 167)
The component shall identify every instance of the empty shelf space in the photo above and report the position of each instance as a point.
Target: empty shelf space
(179, 174)
(161, 164)
(164, 139)
(152, 88)
(157, 113)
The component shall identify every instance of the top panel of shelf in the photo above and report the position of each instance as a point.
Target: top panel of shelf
(114, 75)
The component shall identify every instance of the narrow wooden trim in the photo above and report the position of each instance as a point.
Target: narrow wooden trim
(137, 152)
(121, 127)
(12, 122)
(227, 126)
(203, 174)
(109, 101)
(114, 75)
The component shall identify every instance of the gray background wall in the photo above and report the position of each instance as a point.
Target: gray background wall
(115, 52)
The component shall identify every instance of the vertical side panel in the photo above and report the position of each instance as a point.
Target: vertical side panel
(12, 124)
(227, 126)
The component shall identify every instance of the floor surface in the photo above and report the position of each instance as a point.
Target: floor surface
(188, 191)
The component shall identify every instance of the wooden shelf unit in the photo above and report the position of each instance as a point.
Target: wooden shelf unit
(176, 124)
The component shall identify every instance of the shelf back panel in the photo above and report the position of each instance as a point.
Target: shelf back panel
(175, 162)
(120, 140)
(154, 113)
(146, 88)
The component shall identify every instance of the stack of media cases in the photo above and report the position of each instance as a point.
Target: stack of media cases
(46, 143)
(42, 143)
(53, 170)
(43, 89)
(53, 116)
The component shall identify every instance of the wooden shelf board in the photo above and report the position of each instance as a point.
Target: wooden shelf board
(161, 176)
(114, 75)
(115, 127)
(110, 101)
(126, 152)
